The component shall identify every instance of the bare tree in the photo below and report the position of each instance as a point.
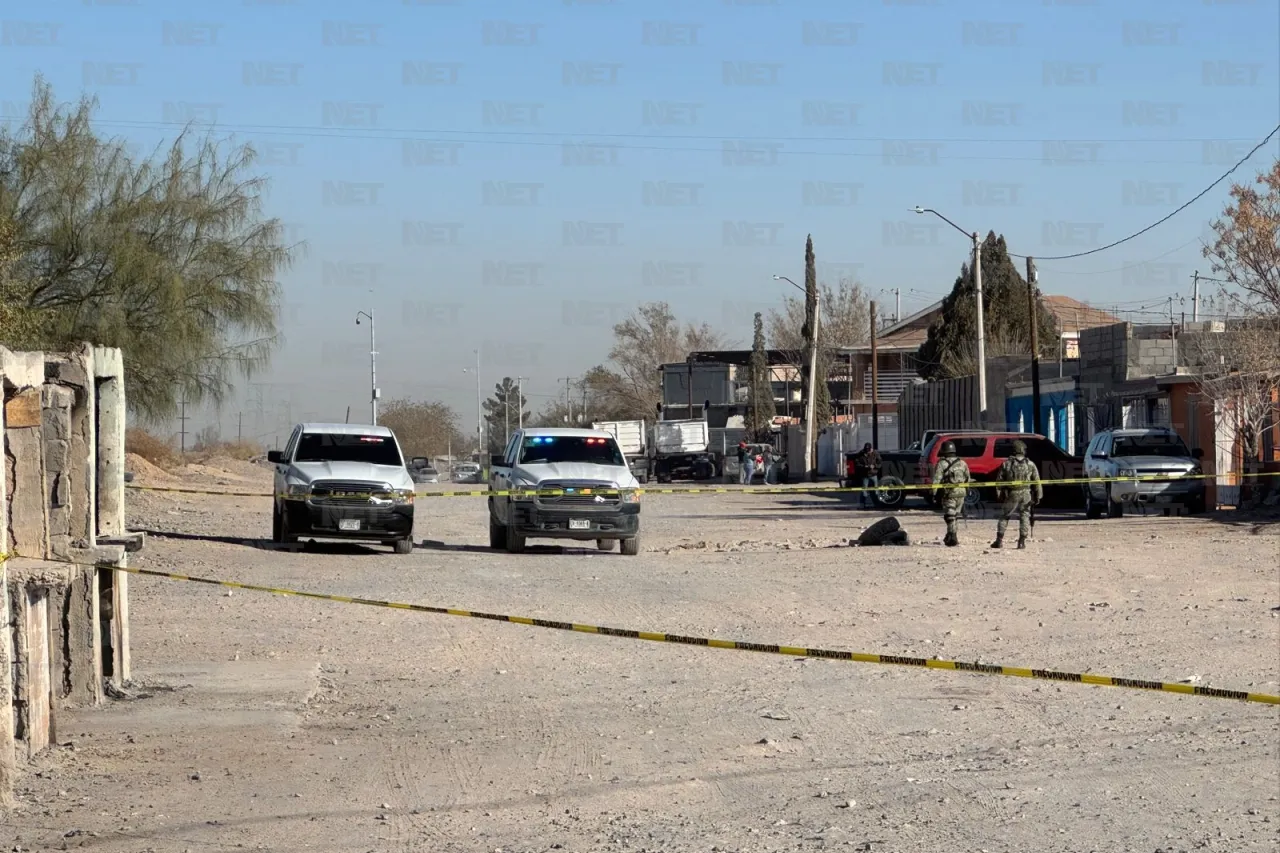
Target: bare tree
(652, 336)
(845, 322)
(428, 428)
(1239, 372)
(1246, 251)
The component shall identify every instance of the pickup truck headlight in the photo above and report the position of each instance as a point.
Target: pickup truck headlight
(629, 496)
(392, 497)
(1196, 471)
(521, 491)
(297, 491)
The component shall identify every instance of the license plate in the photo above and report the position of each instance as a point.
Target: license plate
(349, 524)
(579, 524)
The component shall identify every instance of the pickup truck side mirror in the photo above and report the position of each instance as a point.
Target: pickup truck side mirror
(1198, 453)
(497, 460)
(1100, 454)
(275, 457)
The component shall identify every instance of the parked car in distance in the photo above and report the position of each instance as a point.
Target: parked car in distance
(466, 472)
(1144, 454)
(985, 452)
(595, 496)
(421, 470)
(342, 481)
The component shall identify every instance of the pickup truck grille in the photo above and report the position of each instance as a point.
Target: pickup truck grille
(579, 494)
(345, 492)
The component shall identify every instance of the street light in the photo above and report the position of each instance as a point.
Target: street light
(809, 469)
(977, 286)
(373, 364)
(479, 409)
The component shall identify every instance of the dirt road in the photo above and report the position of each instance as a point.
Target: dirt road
(269, 723)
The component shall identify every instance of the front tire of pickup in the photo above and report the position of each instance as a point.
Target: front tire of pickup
(404, 546)
(631, 547)
(497, 534)
(606, 544)
(515, 541)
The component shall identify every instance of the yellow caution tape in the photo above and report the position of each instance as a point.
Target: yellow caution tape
(739, 645)
(749, 490)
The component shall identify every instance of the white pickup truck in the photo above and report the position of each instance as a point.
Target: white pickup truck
(568, 484)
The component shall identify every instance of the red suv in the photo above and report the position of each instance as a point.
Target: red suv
(985, 453)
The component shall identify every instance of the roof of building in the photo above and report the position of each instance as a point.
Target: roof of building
(1073, 315)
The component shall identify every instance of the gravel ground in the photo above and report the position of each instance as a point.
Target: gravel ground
(260, 722)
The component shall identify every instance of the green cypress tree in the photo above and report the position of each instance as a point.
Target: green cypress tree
(951, 348)
(762, 410)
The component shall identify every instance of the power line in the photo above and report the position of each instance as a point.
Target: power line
(703, 137)
(1126, 266)
(293, 130)
(1165, 219)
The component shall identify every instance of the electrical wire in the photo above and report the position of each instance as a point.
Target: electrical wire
(1126, 266)
(293, 131)
(704, 137)
(1172, 214)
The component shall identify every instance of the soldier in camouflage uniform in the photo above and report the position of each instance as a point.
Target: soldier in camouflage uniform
(952, 471)
(1020, 497)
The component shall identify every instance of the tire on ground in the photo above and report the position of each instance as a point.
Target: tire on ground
(875, 534)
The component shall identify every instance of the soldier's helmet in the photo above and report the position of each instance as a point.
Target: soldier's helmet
(948, 448)
(1019, 448)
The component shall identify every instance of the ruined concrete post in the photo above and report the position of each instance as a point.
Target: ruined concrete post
(108, 369)
(18, 371)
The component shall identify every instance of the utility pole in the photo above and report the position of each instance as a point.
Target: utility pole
(373, 364)
(239, 427)
(182, 429)
(519, 402)
(480, 452)
(982, 338)
(1173, 335)
(897, 305)
(1033, 300)
(689, 364)
(506, 411)
(982, 335)
(875, 383)
(1195, 297)
(568, 399)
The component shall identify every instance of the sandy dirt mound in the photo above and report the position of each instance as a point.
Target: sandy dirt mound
(223, 468)
(146, 474)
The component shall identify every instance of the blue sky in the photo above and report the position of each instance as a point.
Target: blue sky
(419, 148)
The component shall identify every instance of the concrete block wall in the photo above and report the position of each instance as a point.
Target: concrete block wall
(61, 602)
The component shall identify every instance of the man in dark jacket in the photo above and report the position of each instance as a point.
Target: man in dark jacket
(866, 473)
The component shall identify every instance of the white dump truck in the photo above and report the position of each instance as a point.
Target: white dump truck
(630, 436)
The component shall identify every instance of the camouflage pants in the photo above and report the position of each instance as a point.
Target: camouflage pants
(952, 507)
(1017, 503)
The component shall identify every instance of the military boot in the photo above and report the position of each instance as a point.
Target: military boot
(1022, 543)
(999, 543)
(951, 540)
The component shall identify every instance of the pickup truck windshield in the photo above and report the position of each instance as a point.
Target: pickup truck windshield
(546, 449)
(1149, 445)
(372, 449)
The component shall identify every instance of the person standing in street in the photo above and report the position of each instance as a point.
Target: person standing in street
(866, 465)
(746, 464)
(952, 474)
(1020, 493)
(766, 458)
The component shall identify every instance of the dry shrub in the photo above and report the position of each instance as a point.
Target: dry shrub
(156, 451)
(241, 451)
